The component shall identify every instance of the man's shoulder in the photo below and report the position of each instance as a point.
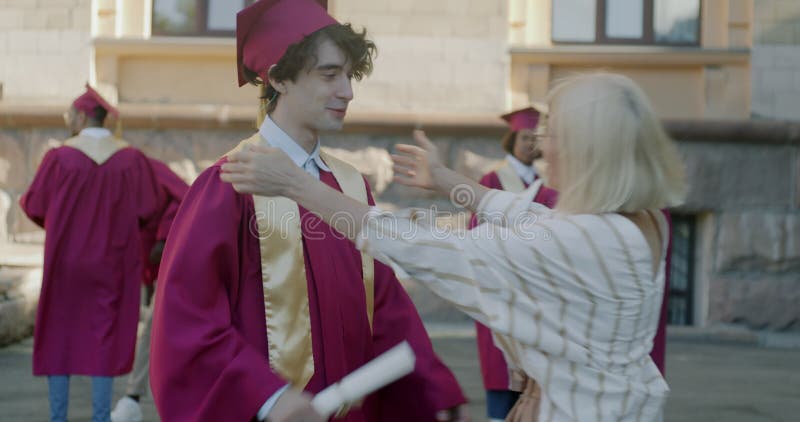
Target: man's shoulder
(253, 139)
(208, 182)
(211, 173)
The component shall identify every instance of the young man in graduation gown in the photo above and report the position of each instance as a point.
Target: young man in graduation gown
(259, 303)
(91, 195)
(515, 174)
(154, 237)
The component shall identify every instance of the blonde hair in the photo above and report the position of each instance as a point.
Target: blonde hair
(613, 154)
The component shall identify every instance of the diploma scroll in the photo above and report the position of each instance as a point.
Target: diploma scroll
(377, 373)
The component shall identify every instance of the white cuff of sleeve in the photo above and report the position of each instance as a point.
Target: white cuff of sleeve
(363, 236)
(371, 246)
(270, 403)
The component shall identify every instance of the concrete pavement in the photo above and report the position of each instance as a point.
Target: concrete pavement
(732, 381)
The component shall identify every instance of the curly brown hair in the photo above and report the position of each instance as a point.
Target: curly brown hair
(357, 48)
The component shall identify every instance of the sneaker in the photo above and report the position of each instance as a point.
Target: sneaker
(126, 410)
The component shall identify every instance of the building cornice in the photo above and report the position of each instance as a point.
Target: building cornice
(166, 46)
(223, 117)
(606, 55)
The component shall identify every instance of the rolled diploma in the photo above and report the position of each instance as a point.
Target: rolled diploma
(387, 368)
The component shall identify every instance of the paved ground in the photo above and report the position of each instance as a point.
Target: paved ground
(731, 382)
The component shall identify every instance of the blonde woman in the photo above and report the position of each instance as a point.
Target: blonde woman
(575, 292)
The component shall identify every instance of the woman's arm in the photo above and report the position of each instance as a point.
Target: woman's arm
(269, 172)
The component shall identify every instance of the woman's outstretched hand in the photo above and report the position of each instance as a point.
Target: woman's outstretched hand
(415, 165)
(260, 170)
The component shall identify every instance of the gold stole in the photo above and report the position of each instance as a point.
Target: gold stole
(283, 273)
(99, 150)
(509, 178)
(511, 182)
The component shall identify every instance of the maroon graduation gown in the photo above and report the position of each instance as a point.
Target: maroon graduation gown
(92, 214)
(493, 365)
(209, 357)
(174, 189)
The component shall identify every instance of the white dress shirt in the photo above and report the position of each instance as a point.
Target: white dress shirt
(95, 132)
(277, 138)
(525, 172)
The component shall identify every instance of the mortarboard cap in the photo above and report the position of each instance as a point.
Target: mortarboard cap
(265, 29)
(526, 118)
(89, 101)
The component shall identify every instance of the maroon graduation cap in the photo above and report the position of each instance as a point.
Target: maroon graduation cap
(265, 29)
(89, 101)
(526, 118)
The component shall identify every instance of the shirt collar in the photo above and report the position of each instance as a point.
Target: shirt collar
(525, 172)
(95, 132)
(277, 138)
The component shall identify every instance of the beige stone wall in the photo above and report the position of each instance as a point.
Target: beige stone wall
(685, 86)
(44, 49)
(434, 55)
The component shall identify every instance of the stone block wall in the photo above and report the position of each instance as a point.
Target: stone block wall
(44, 48)
(745, 194)
(189, 152)
(776, 59)
(433, 56)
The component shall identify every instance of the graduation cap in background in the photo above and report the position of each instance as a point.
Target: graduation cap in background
(90, 100)
(88, 103)
(526, 118)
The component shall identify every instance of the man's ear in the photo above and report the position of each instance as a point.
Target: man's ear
(279, 86)
(81, 119)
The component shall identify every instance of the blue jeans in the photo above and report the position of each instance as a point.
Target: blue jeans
(500, 402)
(59, 398)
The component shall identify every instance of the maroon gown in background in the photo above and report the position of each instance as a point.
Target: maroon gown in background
(493, 365)
(494, 369)
(92, 215)
(174, 189)
(659, 352)
(209, 358)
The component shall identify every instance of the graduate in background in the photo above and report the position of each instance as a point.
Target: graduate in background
(92, 196)
(259, 303)
(516, 174)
